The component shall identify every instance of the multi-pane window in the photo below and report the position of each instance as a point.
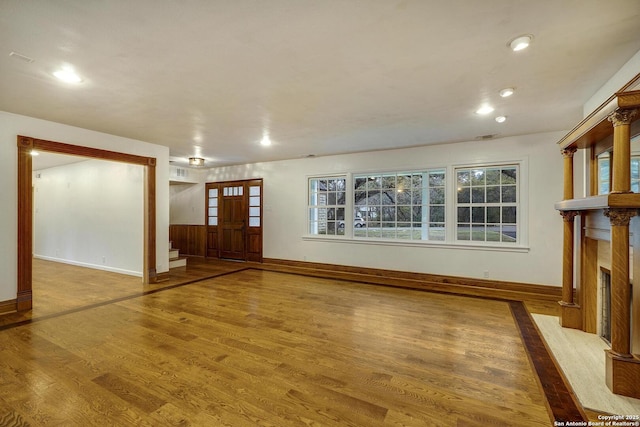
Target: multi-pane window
(400, 205)
(254, 206)
(417, 205)
(213, 206)
(327, 197)
(487, 204)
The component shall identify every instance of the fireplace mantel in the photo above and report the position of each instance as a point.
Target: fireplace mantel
(595, 126)
(605, 201)
(605, 217)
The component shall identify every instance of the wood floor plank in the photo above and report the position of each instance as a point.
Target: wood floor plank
(130, 392)
(10, 418)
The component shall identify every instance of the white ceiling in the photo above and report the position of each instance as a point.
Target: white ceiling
(209, 77)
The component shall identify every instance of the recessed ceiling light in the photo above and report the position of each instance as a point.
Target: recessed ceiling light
(67, 75)
(508, 91)
(520, 42)
(484, 110)
(501, 119)
(266, 141)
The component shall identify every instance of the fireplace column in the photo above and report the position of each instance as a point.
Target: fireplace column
(621, 170)
(567, 155)
(622, 374)
(620, 289)
(570, 312)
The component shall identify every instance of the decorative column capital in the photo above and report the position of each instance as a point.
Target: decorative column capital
(569, 216)
(622, 117)
(620, 217)
(568, 152)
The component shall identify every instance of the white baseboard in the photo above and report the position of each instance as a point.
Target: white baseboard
(88, 265)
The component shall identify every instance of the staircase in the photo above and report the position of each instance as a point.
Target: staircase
(175, 260)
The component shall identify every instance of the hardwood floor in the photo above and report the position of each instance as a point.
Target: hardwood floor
(245, 347)
(59, 288)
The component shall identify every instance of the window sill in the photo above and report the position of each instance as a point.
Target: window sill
(419, 244)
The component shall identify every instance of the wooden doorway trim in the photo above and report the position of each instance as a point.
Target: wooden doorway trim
(25, 207)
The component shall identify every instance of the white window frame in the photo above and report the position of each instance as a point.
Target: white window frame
(521, 245)
(522, 197)
(425, 206)
(310, 207)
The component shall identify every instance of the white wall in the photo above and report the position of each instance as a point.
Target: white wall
(91, 214)
(582, 158)
(285, 205)
(12, 125)
(614, 84)
(186, 204)
(186, 196)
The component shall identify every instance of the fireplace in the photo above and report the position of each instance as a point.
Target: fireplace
(604, 305)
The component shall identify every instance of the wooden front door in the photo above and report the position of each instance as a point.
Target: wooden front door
(234, 220)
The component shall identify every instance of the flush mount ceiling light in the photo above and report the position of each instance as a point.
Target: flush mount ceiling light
(506, 92)
(196, 161)
(501, 119)
(484, 110)
(67, 75)
(520, 42)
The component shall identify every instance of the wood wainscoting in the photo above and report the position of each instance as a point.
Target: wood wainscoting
(431, 282)
(8, 306)
(190, 239)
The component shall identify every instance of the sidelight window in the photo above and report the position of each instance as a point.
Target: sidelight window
(212, 206)
(254, 206)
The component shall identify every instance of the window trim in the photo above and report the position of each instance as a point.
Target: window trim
(415, 243)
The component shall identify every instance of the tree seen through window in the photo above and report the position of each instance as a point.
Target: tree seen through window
(407, 206)
(487, 204)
